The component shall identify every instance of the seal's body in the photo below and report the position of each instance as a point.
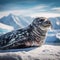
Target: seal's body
(33, 35)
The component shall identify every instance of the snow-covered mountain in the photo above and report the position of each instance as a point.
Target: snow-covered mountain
(13, 22)
(16, 21)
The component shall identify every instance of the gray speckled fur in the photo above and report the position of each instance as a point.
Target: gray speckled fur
(33, 35)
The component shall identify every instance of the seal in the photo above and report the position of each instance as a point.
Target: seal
(32, 35)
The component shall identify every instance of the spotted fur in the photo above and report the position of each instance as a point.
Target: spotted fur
(33, 35)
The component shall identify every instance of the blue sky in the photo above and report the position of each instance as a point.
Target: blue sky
(32, 8)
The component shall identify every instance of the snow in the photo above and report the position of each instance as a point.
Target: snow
(45, 52)
(17, 21)
(4, 26)
(58, 36)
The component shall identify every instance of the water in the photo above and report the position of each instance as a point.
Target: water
(51, 37)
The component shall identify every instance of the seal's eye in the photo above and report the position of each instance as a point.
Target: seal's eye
(42, 20)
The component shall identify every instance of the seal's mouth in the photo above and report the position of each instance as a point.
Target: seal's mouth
(46, 23)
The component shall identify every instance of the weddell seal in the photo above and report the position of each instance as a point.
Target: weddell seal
(33, 35)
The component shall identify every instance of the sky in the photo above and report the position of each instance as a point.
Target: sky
(33, 8)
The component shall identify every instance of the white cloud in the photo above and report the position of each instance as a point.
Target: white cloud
(24, 11)
(38, 7)
(39, 10)
(56, 9)
(16, 12)
(45, 14)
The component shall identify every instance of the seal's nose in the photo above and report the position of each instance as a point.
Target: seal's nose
(48, 22)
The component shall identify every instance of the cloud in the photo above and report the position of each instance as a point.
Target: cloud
(39, 7)
(39, 10)
(32, 10)
(29, 13)
(56, 9)
(45, 14)
(25, 4)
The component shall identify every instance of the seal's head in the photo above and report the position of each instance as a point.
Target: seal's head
(42, 23)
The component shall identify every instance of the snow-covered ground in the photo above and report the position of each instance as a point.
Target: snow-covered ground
(45, 52)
